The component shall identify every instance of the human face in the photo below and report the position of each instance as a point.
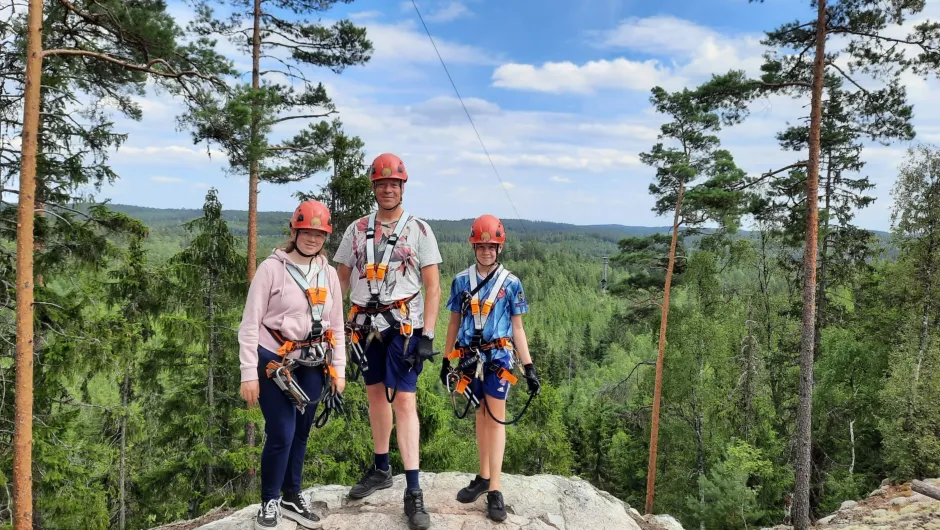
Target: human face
(487, 253)
(388, 193)
(310, 241)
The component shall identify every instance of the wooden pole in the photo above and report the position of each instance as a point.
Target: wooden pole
(23, 418)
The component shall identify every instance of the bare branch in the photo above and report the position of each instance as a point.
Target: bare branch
(803, 84)
(304, 116)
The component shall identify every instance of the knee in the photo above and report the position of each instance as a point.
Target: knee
(279, 433)
(376, 394)
(405, 403)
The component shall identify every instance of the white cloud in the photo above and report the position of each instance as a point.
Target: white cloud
(508, 185)
(562, 180)
(360, 15)
(451, 11)
(167, 180)
(679, 53)
(561, 77)
(405, 43)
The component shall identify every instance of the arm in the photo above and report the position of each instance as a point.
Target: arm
(431, 278)
(256, 306)
(343, 271)
(520, 341)
(337, 326)
(452, 328)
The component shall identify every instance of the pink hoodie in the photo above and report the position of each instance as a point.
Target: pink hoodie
(275, 300)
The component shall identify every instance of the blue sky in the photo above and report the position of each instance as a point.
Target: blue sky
(559, 91)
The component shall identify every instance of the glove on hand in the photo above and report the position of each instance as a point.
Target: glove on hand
(532, 379)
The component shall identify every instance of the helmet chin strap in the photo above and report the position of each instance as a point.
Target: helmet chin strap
(392, 209)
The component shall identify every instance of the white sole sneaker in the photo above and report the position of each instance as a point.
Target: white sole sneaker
(300, 519)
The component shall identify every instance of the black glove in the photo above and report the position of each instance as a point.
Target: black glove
(445, 371)
(425, 350)
(532, 379)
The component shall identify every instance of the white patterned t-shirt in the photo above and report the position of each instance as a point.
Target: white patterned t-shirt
(416, 248)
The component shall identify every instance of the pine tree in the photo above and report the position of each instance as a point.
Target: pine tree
(347, 192)
(120, 44)
(872, 51)
(696, 181)
(274, 33)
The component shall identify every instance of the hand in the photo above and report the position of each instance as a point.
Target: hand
(339, 385)
(250, 391)
(445, 371)
(532, 379)
(425, 350)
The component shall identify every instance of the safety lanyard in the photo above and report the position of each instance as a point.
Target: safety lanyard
(375, 274)
(316, 296)
(481, 314)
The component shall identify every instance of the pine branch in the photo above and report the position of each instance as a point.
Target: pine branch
(845, 75)
(146, 68)
(920, 43)
(803, 84)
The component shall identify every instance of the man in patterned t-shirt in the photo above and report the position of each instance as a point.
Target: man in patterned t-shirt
(388, 300)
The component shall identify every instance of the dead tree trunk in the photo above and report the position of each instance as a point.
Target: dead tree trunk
(926, 489)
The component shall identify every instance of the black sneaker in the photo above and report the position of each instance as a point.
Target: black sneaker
(294, 506)
(268, 515)
(471, 493)
(374, 479)
(495, 507)
(418, 518)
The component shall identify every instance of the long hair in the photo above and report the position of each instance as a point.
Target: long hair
(291, 244)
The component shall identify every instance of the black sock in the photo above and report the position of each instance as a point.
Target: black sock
(411, 478)
(381, 461)
(479, 478)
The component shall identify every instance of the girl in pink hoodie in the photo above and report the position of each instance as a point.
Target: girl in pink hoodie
(278, 310)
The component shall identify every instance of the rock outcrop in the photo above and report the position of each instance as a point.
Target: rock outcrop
(540, 502)
(887, 508)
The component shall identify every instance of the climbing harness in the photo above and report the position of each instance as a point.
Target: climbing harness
(474, 360)
(316, 350)
(362, 334)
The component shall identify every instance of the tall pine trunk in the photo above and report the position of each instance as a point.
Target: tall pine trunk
(253, 180)
(122, 473)
(210, 383)
(23, 418)
(804, 413)
(821, 306)
(657, 391)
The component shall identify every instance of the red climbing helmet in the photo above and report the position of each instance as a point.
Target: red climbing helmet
(388, 166)
(312, 215)
(487, 229)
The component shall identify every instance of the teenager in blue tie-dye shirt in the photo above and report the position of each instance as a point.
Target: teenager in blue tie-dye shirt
(491, 322)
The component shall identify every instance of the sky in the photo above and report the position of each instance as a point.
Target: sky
(558, 90)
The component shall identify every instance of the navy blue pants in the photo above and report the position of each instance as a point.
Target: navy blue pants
(286, 429)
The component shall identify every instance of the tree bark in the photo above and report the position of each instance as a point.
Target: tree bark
(210, 384)
(926, 489)
(804, 413)
(823, 267)
(253, 177)
(657, 391)
(122, 495)
(23, 418)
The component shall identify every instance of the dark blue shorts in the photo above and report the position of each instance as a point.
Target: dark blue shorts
(386, 361)
(492, 385)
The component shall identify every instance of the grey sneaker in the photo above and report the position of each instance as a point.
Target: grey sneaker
(374, 479)
(294, 506)
(269, 515)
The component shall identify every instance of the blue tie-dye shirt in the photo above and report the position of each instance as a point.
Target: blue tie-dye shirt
(510, 301)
